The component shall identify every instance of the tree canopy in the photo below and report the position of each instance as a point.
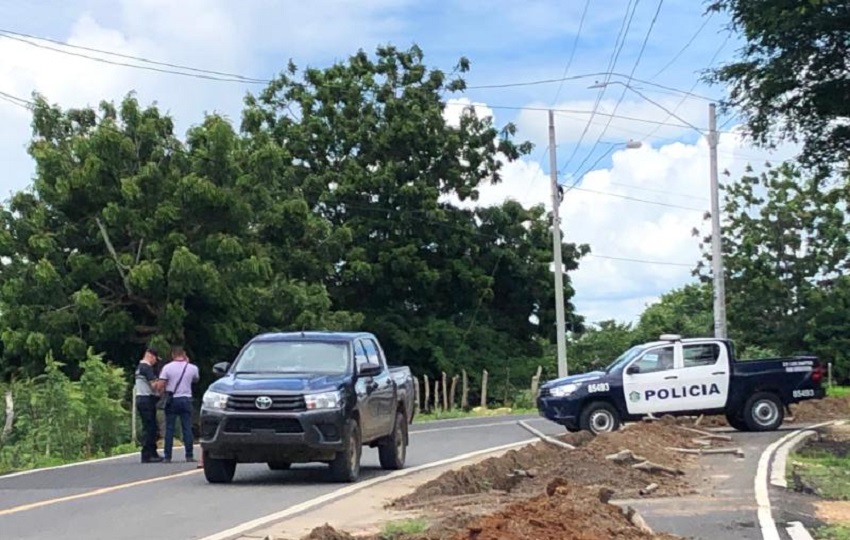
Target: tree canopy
(330, 207)
(791, 78)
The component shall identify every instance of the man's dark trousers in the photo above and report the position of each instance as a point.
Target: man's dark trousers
(181, 407)
(146, 406)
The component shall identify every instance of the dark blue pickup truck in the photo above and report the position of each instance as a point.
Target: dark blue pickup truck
(306, 397)
(683, 377)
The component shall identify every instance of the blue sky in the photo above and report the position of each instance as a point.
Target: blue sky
(506, 42)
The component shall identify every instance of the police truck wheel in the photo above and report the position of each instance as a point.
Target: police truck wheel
(735, 420)
(219, 471)
(763, 412)
(599, 417)
(393, 450)
(346, 465)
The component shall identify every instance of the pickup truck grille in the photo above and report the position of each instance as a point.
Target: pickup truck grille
(279, 404)
(545, 392)
(247, 425)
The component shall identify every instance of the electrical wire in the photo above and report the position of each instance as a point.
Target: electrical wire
(685, 47)
(572, 52)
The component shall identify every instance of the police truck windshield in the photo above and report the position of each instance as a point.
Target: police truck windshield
(624, 358)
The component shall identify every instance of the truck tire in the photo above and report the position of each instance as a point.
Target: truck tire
(219, 471)
(599, 417)
(393, 450)
(763, 412)
(736, 420)
(279, 465)
(346, 465)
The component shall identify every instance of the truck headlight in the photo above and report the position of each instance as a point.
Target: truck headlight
(563, 390)
(214, 400)
(324, 400)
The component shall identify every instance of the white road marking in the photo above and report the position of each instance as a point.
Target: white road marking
(353, 488)
(797, 531)
(777, 471)
(765, 514)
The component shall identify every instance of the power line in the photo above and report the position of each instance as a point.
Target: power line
(685, 47)
(199, 75)
(644, 261)
(572, 52)
(626, 86)
(636, 199)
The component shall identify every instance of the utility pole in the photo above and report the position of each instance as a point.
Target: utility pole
(717, 268)
(556, 247)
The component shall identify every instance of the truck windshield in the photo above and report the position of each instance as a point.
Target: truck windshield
(624, 358)
(293, 357)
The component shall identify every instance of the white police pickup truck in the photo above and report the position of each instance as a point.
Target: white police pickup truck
(679, 377)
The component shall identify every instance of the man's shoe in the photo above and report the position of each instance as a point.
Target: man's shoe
(190, 459)
(155, 459)
(166, 460)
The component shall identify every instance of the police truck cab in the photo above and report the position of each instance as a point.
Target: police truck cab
(680, 377)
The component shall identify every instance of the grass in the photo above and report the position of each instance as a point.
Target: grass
(826, 473)
(474, 413)
(838, 391)
(833, 532)
(407, 526)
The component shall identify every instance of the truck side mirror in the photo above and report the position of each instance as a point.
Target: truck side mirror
(220, 369)
(632, 369)
(369, 370)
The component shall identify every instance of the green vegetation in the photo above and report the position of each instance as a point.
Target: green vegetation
(474, 413)
(833, 532)
(825, 472)
(394, 529)
(838, 391)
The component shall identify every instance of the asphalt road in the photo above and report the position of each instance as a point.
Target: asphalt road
(125, 499)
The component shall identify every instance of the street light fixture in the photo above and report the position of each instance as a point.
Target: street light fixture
(718, 271)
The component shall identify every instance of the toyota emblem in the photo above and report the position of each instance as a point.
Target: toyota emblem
(263, 402)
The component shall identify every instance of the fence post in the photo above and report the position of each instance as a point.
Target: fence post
(445, 394)
(452, 392)
(133, 416)
(436, 396)
(427, 393)
(464, 395)
(535, 383)
(417, 405)
(829, 369)
(484, 389)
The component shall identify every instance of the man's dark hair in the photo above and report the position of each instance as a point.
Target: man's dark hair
(177, 350)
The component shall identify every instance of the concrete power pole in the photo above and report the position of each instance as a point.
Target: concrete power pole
(556, 247)
(717, 268)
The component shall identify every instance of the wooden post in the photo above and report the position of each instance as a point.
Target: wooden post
(535, 383)
(484, 389)
(436, 396)
(445, 394)
(464, 395)
(417, 405)
(427, 393)
(507, 386)
(452, 392)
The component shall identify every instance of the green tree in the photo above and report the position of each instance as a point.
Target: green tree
(686, 311)
(130, 236)
(367, 144)
(784, 236)
(597, 347)
(790, 80)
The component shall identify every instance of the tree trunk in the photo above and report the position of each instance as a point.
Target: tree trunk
(484, 389)
(10, 417)
(445, 394)
(464, 395)
(427, 392)
(452, 393)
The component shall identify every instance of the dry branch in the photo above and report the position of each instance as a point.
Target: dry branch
(651, 467)
(624, 455)
(545, 438)
(114, 254)
(705, 451)
(637, 520)
(648, 489)
(706, 434)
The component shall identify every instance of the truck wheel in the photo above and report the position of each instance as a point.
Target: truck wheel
(763, 412)
(736, 421)
(393, 450)
(346, 465)
(599, 417)
(219, 471)
(279, 465)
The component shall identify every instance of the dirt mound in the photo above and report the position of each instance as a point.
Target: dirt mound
(565, 513)
(525, 471)
(821, 410)
(326, 532)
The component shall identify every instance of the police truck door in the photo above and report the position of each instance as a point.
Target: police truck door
(704, 376)
(646, 381)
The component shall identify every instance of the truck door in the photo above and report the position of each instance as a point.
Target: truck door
(704, 375)
(384, 392)
(648, 379)
(365, 394)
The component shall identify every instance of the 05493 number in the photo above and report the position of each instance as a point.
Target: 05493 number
(598, 387)
(803, 393)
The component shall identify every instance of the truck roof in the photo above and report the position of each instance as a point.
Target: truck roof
(672, 338)
(312, 336)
